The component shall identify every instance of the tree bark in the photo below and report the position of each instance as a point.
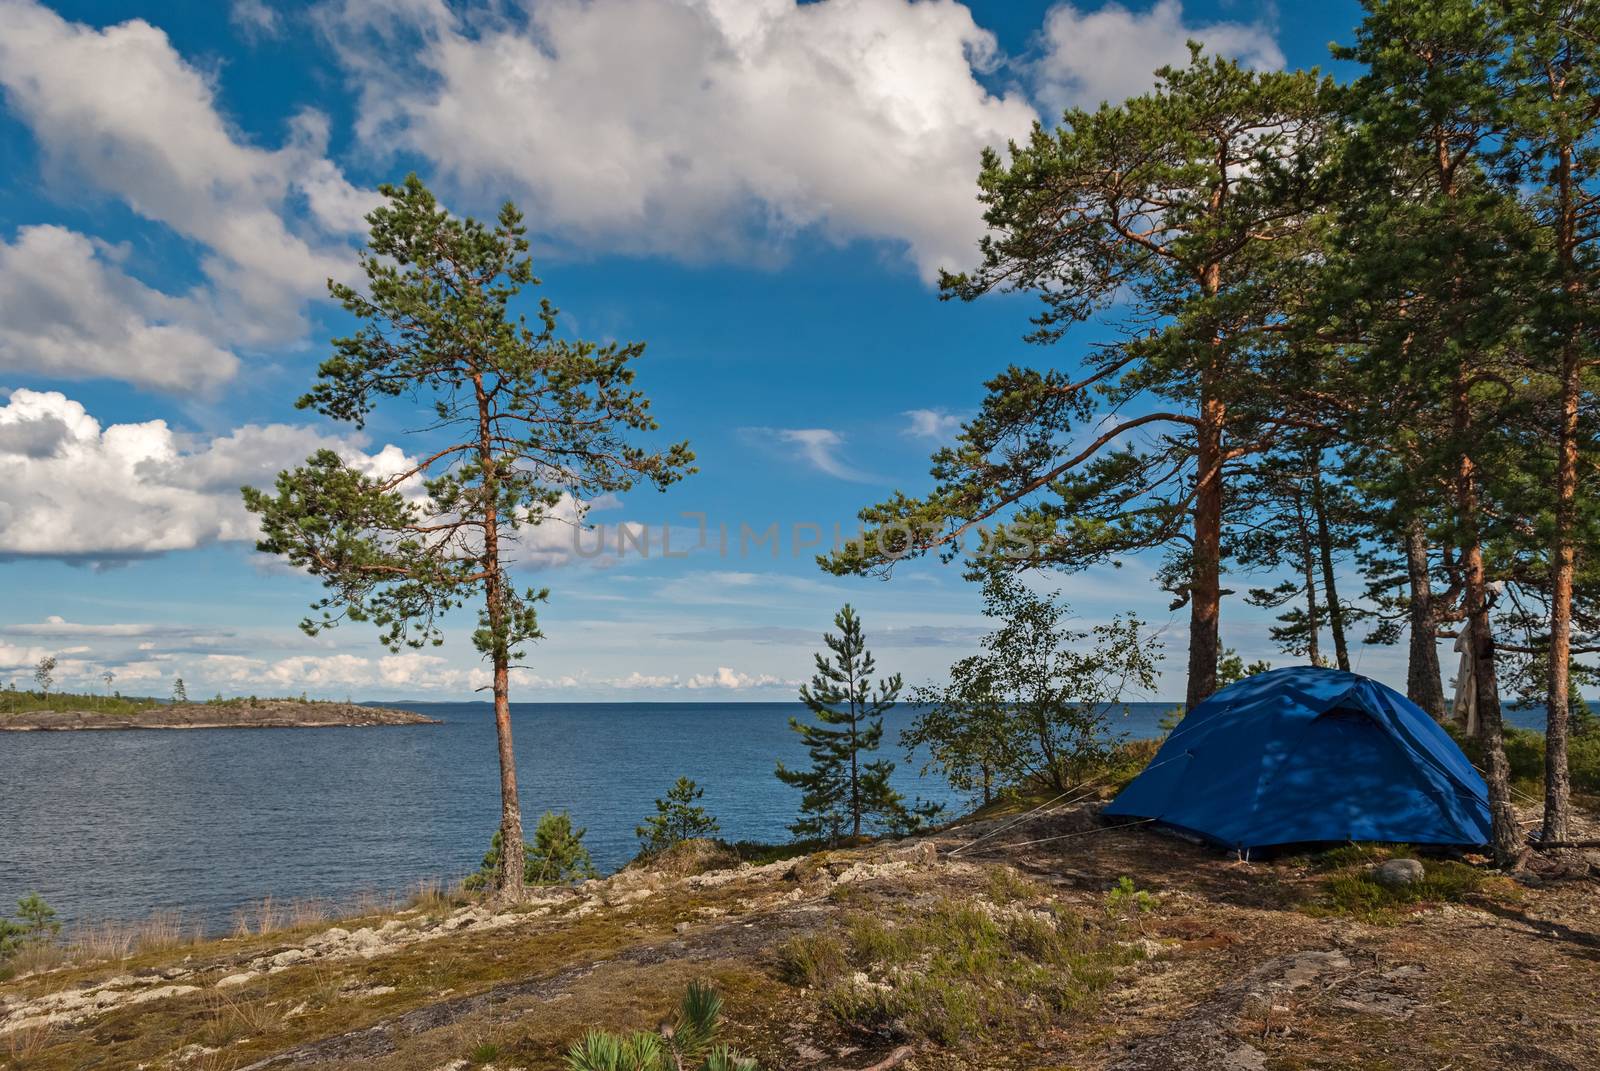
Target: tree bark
(512, 855)
(1309, 574)
(1205, 588)
(1424, 680)
(1558, 698)
(1505, 832)
(1330, 590)
(1557, 787)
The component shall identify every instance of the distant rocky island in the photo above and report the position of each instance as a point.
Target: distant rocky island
(231, 714)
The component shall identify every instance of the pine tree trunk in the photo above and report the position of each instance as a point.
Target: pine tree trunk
(1505, 830)
(1424, 680)
(1558, 699)
(1205, 588)
(511, 842)
(1308, 571)
(511, 877)
(1330, 590)
(855, 773)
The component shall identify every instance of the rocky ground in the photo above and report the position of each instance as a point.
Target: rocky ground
(1197, 961)
(235, 714)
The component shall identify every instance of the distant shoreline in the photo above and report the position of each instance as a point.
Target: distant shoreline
(239, 714)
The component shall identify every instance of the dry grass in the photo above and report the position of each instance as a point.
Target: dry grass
(23, 1045)
(230, 1019)
(162, 931)
(958, 970)
(262, 917)
(433, 896)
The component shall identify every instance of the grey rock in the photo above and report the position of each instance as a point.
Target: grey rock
(1397, 872)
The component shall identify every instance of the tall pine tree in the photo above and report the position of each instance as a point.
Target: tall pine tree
(1174, 214)
(521, 421)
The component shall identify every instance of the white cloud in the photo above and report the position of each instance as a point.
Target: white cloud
(67, 310)
(700, 128)
(1111, 53)
(121, 110)
(255, 19)
(62, 475)
(56, 626)
(930, 424)
(819, 448)
(290, 674)
(732, 680)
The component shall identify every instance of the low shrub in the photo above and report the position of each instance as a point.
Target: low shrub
(1525, 755)
(961, 969)
(689, 1043)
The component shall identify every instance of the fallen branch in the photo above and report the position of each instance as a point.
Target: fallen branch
(1543, 844)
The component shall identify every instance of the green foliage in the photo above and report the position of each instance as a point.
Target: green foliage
(842, 793)
(44, 673)
(957, 971)
(1125, 902)
(35, 924)
(180, 694)
(527, 418)
(690, 1043)
(1232, 667)
(486, 1052)
(556, 856)
(1524, 750)
(14, 702)
(1033, 706)
(679, 817)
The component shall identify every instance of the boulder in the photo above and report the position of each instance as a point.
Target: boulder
(1396, 872)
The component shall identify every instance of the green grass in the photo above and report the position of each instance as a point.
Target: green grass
(1353, 891)
(959, 970)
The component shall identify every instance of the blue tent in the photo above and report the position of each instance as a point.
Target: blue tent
(1302, 755)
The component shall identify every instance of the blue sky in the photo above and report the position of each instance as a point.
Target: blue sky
(760, 191)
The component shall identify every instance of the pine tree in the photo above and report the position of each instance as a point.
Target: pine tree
(180, 694)
(842, 792)
(556, 856)
(679, 817)
(521, 421)
(1429, 282)
(1176, 213)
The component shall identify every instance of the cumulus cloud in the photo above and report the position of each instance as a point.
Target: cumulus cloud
(1111, 53)
(68, 310)
(62, 474)
(930, 424)
(120, 109)
(700, 128)
(732, 679)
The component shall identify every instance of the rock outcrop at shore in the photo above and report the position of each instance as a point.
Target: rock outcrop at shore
(983, 945)
(240, 714)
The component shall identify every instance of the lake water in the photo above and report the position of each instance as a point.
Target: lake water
(117, 824)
